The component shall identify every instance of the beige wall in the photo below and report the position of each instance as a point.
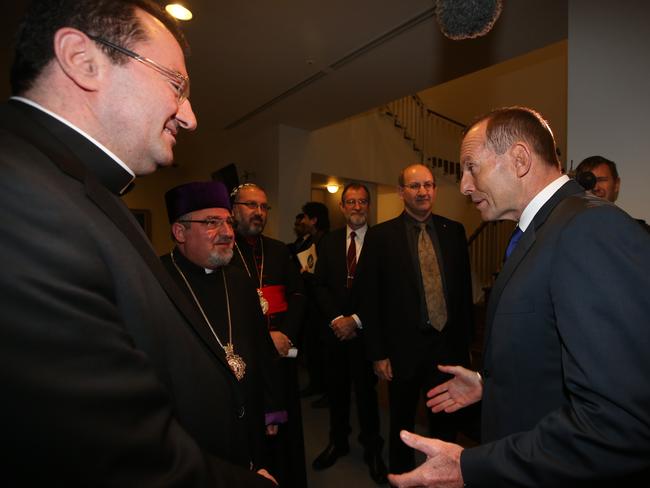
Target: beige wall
(366, 147)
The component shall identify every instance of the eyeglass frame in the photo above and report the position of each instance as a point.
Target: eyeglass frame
(211, 223)
(254, 205)
(180, 82)
(416, 185)
(351, 202)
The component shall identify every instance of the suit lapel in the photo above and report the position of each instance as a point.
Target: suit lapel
(403, 250)
(340, 257)
(526, 242)
(39, 136)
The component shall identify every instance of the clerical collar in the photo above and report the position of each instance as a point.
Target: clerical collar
(188, 265)
(117, 177)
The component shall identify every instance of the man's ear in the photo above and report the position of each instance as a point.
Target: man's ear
(178, 231)
(79, 57)
(522, 158)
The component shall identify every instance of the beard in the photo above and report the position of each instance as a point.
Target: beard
(252, 228)
(220, 257)
(357, 220)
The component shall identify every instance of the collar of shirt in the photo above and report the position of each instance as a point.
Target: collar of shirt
(538, 202)
(77, 129)
(360, 232)
(360, 236)
(416, 223)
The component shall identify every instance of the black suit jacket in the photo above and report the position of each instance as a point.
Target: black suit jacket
(333, 296)
(566, 400)
(108, 375)
(390, 301)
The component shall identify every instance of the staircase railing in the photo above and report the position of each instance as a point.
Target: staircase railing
(434, 137)
(486, 246)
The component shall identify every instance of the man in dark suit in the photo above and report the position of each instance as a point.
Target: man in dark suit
(109, 377)
(564, 384)
(416, 307)
(346, 363)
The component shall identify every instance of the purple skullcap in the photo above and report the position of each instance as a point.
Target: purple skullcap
(198, 195)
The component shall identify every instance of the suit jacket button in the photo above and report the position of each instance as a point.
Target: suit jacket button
(241, 412)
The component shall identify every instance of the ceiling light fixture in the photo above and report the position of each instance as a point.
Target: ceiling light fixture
(332, 187)
(177, 11)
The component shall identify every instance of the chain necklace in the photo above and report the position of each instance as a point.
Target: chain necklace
(264, 303)
(235, 361)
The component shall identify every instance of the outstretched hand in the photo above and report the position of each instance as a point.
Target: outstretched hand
(440, 470)
(463, 389)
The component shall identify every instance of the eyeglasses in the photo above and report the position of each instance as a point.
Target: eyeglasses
(254, 205)
(352, 202)
(180, 82)
(210, 223)
(427, 185)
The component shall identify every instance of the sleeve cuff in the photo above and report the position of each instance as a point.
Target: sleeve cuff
(357, 320)
(279, 417)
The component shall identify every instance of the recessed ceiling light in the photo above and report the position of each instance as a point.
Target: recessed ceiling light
(179, 12)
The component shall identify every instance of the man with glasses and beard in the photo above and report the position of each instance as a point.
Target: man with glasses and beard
(109, 376)
(281, 299)
(201, 227)
(416, 309)
(346, 363)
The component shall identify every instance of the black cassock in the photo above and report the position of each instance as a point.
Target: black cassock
(263, 390)
(286, 450)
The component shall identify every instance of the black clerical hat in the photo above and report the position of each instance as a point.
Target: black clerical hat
(189, 197)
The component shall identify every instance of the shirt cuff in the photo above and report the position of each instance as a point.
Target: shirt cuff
(335, 319)
(357, 320)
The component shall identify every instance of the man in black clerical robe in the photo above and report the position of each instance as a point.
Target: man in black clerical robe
(199, 214)
(270, 268)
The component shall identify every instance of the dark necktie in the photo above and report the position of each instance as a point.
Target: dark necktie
(431, 280)
(352, 258)
(514, 239)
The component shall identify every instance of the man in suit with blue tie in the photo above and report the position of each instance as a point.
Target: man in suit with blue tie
(565, 379)
(347, 365)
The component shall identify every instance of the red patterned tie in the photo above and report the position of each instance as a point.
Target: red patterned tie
(352, 258)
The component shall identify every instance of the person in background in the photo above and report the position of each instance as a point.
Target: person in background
(416, 306)
(608, 182)
(268, 265)
(301, 233)
(316, 222)
(346, 363)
